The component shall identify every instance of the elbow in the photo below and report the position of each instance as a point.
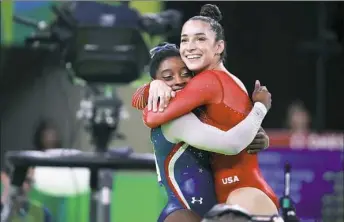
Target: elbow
(150, 124)
(231, 152)
(148, 120)
(239, 143)
(234, 149)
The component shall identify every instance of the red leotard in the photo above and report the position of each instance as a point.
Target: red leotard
(226, 104)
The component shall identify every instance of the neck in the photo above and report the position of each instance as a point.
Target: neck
(218, 66)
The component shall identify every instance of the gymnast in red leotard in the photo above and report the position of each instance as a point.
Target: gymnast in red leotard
(226, 103)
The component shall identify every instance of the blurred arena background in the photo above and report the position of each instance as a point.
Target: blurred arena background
(296, 49)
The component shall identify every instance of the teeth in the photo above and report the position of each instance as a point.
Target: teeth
(193, 56)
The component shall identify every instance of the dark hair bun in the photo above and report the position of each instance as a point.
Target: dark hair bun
(211, 11)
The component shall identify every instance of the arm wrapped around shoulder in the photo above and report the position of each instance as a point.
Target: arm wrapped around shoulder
(192, 131)
(205, 88)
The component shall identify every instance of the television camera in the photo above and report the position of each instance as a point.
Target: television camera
(103, 43)
(100, 44)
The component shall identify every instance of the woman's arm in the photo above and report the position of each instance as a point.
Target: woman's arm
(191, 130)
(203, 89)
(140, 97)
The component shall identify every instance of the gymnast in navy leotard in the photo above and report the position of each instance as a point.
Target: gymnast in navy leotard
(182, 150)
(184, 171)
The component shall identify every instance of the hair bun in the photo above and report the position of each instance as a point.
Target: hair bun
(211, 11)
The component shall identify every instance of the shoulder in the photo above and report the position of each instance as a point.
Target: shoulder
(238, 81)
(234, 78)
(207, 76)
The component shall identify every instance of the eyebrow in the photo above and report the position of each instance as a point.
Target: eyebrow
(166, 70)
(200, 33)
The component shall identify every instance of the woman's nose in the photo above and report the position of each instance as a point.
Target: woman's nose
(191, 46)
(179, 80)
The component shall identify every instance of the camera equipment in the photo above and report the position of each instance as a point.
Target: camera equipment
(103, 43)
(116, 160)
(287, 205)
(100, 112)
(99, 43)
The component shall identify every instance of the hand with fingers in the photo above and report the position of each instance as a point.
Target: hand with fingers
(261, 94)
(159, 95)
(259, 143)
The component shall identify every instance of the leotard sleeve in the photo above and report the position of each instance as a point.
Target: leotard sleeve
(203, 89)
(140, 97)
(192, 131)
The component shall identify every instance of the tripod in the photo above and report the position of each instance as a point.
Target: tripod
(102, 118)
(102, 123)
(101, 113)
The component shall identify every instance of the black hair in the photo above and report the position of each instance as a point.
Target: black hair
(42, 126)
(212, 15)
(159, 54)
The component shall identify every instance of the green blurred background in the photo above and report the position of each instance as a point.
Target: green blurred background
(132, 190)
(135, 197)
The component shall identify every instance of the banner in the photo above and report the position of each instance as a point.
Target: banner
(312, 141)
(316, 180)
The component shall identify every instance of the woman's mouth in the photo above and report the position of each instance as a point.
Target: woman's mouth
(178, 89)
(193, 57)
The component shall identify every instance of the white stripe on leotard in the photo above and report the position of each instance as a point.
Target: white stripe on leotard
(171, 166)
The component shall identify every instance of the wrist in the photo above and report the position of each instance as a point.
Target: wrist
(156, 81)
(261, 107)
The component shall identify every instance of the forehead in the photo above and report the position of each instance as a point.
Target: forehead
(172, 63)
(194, 27)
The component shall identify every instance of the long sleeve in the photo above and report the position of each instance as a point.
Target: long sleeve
(140, 97)
(192, 131)
(203, 89)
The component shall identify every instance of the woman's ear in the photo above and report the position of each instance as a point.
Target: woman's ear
(220, 47)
